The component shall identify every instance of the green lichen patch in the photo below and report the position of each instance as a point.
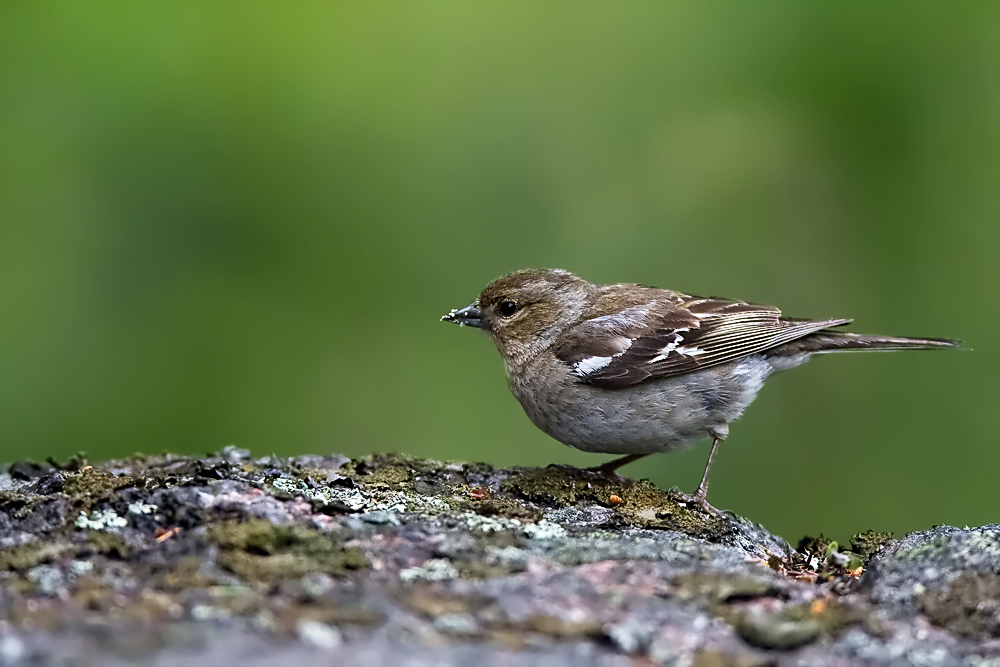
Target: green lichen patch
(561, 629)
(17, 505)
(42, 551)
(794, 625)
(733, 598)
(90, 486)
(34, 553)
(638, 503)
(776, 631)
(644, 509)
(108, 544)
(507, 508)
(935, 549)
(432, 603)
(183, 573)
(426, 476)
(563, 486)
(259, 550)
(711, 658)
(388, 477)
(869, 543)
(970, 606)
(387, 468)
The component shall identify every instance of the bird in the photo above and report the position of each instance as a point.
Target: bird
(633, 370)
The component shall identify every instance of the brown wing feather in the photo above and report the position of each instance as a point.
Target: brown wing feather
(672, 338)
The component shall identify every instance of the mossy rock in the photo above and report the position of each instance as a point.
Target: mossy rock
(258, 550)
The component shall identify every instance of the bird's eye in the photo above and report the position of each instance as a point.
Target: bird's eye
(507, 308)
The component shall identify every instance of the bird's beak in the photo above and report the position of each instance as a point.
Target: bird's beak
(469, 316)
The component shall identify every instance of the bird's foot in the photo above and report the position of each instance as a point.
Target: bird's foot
(697, 499)
(610, 468)
(563, 466)
(606, 470)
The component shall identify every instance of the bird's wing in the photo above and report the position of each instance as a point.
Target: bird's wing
(671, 337)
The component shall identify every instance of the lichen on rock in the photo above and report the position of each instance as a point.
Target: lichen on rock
(428, 562)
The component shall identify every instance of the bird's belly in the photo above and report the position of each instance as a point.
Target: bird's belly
(653, 416)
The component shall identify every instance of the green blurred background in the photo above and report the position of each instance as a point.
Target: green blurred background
(239, 223)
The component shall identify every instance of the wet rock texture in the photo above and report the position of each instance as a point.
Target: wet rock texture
(390, 560)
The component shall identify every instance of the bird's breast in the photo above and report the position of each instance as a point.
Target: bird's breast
(653, 416)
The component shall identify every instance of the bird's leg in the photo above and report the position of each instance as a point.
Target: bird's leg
(699, 495)
(702, 490)
(609, 468)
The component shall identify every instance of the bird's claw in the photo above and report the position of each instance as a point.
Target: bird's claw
(698, 499)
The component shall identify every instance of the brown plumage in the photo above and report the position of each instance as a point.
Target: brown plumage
(630, 369)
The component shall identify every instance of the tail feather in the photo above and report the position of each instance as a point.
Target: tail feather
(823, 342)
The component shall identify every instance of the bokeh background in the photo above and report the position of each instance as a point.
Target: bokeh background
(239, 223)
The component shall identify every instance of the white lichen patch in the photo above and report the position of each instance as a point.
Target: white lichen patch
(48, 578)
(436, 569)
(488, 524)
(81, 567)
(510, 556)
(204, 612)
(350, 497)
(543, 530)
(101, 520)
(6, 482)
(141, 508)
(456, 624)
(318, 634)
(368, 500)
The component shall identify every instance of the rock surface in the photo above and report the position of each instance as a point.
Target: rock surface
(390, 560)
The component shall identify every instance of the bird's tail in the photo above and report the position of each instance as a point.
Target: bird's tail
(825, 341)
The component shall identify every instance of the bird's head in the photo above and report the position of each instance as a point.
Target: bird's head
(525, 312)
